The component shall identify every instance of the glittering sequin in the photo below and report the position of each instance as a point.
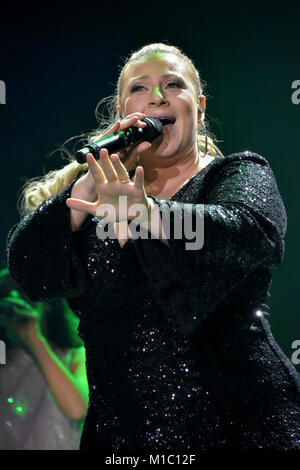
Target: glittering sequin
(180, 355)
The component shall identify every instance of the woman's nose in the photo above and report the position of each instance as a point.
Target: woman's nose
(157, 95)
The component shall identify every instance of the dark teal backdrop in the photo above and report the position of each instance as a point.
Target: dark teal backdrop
(57, 64)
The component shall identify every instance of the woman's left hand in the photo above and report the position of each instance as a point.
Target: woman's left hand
(108, 177)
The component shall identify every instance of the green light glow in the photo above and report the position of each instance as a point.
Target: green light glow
(14, 293)
(20, 410)
(4, 272)
(109, 137)
(18, 406)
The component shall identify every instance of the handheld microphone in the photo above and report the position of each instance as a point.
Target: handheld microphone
(127, 138)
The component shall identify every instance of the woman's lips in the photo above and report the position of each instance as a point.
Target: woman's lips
(168, 127)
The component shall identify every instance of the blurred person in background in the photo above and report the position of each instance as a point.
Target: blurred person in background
(43, 385)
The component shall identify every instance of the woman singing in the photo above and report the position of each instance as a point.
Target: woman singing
(180, 355)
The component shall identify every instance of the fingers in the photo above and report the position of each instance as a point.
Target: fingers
(81, 206)
(139, 178)
(134, 119)
(110, 170)
(103, 171)
(96, 170)
(107, 167)
(137, 114)
(115, 128)
(119, 167)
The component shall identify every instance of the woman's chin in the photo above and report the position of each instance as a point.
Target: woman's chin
(161, 148)
(158, 154)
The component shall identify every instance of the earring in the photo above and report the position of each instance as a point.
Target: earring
(205, 132)
(203, 128)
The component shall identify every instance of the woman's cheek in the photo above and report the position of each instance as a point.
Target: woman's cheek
(132, 105)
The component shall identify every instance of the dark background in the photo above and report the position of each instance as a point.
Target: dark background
(59, 61)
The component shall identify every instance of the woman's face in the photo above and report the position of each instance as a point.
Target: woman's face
(161, 87)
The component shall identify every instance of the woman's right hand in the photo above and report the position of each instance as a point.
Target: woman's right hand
(132, 120)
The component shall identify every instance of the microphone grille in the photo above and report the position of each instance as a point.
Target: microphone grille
(153, 129)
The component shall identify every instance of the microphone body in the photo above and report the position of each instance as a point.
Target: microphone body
(127, 138)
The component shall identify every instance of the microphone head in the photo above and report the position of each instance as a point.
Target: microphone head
(153, 129)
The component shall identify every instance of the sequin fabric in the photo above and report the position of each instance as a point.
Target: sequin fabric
(180, 355)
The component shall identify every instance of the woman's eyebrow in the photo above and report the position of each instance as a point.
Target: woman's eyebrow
(165, 75)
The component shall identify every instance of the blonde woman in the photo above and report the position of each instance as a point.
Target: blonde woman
(180, 356)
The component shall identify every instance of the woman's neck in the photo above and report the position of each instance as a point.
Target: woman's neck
(164, 181)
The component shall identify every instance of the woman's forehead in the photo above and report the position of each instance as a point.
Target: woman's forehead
(156, 64)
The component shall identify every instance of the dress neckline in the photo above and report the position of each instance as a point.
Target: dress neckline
(193, 178)
(131, 173)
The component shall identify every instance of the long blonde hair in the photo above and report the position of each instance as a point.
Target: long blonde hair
(37, 190)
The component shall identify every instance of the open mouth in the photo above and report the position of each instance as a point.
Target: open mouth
(167, 123)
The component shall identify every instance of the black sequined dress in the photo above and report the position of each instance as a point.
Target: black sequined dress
(179, 351)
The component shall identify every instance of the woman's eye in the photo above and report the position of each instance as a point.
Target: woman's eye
(174, 85)
(169, 85)
(137, 88)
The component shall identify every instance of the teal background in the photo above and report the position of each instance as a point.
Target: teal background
(57, 64)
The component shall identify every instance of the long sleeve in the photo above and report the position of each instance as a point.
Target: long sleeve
(244, 222)
(41, 255)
